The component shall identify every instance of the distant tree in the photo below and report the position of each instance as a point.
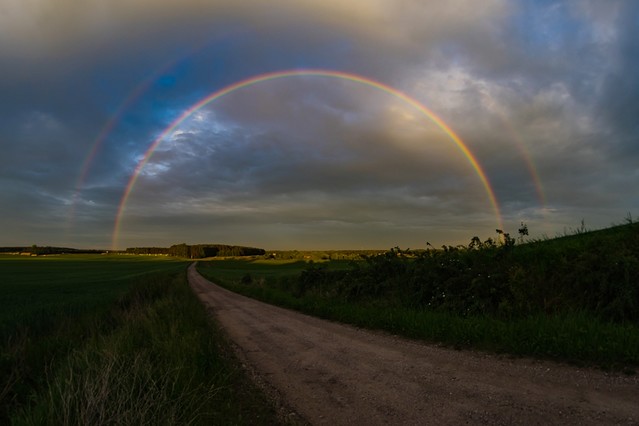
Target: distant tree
(523, 231)
(180, 250)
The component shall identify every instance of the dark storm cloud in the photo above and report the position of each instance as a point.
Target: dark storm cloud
(619, 103)
(550, 84)
(278, 142)
(305, 166)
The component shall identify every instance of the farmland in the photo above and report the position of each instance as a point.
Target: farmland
(90, 339)
(72, 325)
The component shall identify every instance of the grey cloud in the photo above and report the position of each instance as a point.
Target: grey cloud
(309, 159)
(619, 102)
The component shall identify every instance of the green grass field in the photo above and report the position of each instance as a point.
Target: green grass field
(91, 339)
(36, 286)
(236, 269)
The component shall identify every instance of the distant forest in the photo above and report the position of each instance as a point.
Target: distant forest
(42, 250)
(198, 251)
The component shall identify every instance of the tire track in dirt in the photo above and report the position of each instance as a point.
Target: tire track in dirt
(331, 373)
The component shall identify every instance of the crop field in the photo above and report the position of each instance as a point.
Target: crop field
(33, 286)
(72, 326)
(229, 270)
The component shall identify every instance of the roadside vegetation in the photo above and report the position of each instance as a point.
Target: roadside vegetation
(114, 340)
(574, 298)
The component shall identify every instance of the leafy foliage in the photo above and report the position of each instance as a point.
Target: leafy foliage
(573, 298)
(595, 272)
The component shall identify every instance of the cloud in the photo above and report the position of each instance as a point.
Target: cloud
(542, 93)
(43, 25)
(327, 159)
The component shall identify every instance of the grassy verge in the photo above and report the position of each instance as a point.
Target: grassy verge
(575, 337)
(148, 354)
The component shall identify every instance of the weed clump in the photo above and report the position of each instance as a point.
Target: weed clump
(594, 274)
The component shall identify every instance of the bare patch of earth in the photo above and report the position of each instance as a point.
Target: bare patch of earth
(330, 373)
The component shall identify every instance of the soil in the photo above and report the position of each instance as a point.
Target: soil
(329, 373)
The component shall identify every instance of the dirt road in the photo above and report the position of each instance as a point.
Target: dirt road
(335, 374)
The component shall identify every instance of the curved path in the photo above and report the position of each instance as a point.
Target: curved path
(335, 374)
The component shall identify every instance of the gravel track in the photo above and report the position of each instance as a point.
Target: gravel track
(330, 373)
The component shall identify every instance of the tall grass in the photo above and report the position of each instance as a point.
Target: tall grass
(105, 387)
(145, 370)
(151, 356)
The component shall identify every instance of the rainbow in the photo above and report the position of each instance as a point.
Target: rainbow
(299, 73)
(131, 98)
(530, 165)
(104, 133)
(523, 151)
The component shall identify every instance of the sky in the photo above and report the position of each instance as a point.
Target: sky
(422, 122)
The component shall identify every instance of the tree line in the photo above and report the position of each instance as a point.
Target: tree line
(43, 250)
(198, 251)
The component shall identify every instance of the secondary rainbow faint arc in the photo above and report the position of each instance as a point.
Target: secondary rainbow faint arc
(132, 97)
(301, 73)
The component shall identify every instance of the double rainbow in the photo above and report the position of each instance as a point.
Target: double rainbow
(299, 73)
